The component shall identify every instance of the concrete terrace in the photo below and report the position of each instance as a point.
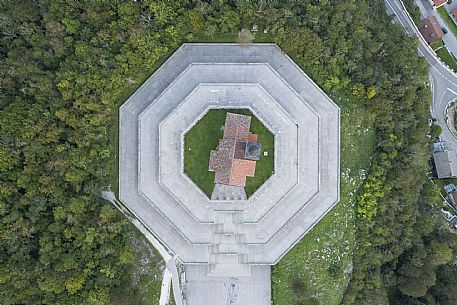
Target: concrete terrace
(227, 246)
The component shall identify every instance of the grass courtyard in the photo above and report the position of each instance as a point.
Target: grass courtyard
(204, 137)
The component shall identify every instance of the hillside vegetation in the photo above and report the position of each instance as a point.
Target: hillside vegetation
(66, 66)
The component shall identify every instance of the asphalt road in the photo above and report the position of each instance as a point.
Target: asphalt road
(443, 81)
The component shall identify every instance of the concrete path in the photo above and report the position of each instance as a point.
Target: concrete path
(255, 290)
(165, 290)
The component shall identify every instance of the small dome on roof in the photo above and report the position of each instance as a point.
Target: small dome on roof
(253, 150)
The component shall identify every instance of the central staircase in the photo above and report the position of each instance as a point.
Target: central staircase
(228, 256)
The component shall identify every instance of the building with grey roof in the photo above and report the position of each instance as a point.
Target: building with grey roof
(445, 160)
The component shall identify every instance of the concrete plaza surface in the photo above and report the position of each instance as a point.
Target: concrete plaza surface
(227, 246)
(202, 288)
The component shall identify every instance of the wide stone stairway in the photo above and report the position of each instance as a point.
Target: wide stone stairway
(228, 255)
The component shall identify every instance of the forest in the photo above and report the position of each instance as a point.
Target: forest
(66, 67)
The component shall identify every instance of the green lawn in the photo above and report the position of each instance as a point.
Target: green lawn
(215, 38)
(447, 58)
(259, 37)
(437, 44)
(448, 20)
(204, 137)
(314, 271)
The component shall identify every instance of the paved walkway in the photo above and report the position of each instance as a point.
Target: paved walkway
(196, 102)
(255, 290)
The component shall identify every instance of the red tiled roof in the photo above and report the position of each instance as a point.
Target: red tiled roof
(220, 160)
(252, 137)
(228, 160)
(240, 169)
(431, 29)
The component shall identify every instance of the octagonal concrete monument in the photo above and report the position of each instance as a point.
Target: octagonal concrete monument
(227, 246)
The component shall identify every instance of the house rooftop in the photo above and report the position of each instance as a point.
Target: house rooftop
(430, 29)
(445, 159)
(234, 159)
(237, 127)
